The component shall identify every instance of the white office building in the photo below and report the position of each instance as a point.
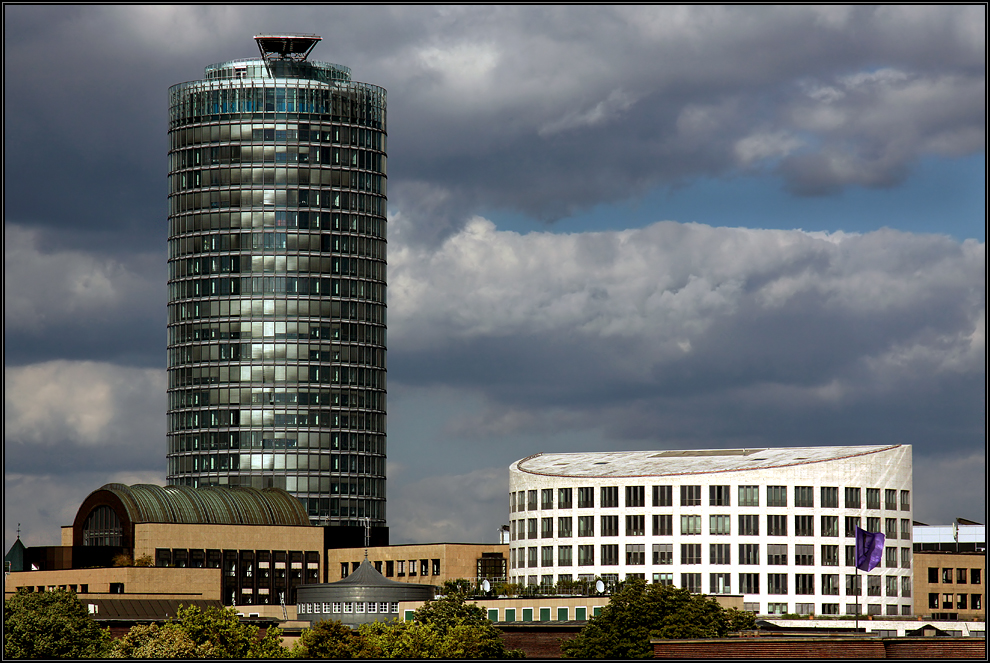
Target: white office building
(775, 525)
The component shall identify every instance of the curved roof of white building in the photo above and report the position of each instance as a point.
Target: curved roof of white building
(690, 461)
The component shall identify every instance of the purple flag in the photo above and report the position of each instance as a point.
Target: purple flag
(869, 549)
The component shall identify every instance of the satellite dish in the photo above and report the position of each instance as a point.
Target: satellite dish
(600, 586)
(487, 586)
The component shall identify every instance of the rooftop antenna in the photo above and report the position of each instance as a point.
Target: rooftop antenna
(295, 48)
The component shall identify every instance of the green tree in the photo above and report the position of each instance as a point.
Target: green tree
(50, 625)
(464, 629)
(219, 633)
(638, 612)
(154, 641)
(326, 639)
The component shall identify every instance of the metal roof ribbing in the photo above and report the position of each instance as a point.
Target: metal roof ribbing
(214, 505)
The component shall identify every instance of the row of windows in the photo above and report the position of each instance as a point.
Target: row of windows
(718, 525)
(955, 576)
(635, 496)
(397, 568)
(371, 488)
(955, 601)
(319, 508)
(349, 398)
(348, 607)
(247, 352)
(291, 176)
(337, 463)
(220, 418)
(290, 286)
(347, 332)
(216, 200)
(279, 133)
(373, 269)
(302, 219)
(277, 241)
(691, 553)
(213, 441)
(275, 151)
(199, 375)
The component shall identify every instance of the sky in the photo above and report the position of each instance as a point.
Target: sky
(610, 228)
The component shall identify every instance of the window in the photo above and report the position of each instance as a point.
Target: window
(531, 526)
(890, 499)
(690, 553)
(720, 524)
(777, 525)
(690, 495)
(873, 585)
(890, 528)
(436, 566)
(804, 496)
(691, 582)
(749, 553)
(830, 555)
(804, 583)
(749, 583)
(905, 500)
(947, 601)
(546, 498)
(531, 501)
(932, 575)
(546, 528)
(586, 498)
(635, 496)
(348, 607)
(546, 556)
(564, 527)
(805, 609)
(830, 608)
(635, 554)
(905, 558)
(872, 498)
(749, 496)
(586, 555)
(718, 496)
(521, 500)
(565, 555)
(804, 555)
(532, 557)
(852, 498)
(854, 585)
(850, 555)
(890, 558)
(663, 496)
(974, 576)
(610, 526)
(905, 528)
(852, 522)
(635, 525)
(891, 582)
(830, 584)
(977, 602)
(804, 525)
(961, 602)
(777, 554)
(830, 497)
(690, 524)
(776, 495)
(853, 609)
(610, 497)
(749, 525)
(947, 576)
(720, 553)
(586, 525)
(610, 555)
(663, 525)
(663, 553)
(721, 583)
(873, 525)
(564, 498)
(777, 608)
(663, 578)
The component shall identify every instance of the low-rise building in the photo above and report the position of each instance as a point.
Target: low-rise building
(425, 563)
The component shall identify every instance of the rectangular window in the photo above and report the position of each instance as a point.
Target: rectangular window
(663, 553)
(521, 500)
(720, 525)
(720, 553)
(977, 603)
(890, 499)
(933, 575)
(635, 525)
(804, 496)
(804, 525)
(564, 498)
(564, 527)
(872, 498)
(852, 498)
(691, 582)
(906, 586)
(436, 566)
(531, 552)
(830, 608)
(777, 554)
(776, 495)
(905, 528)
(531, 526)
(663, 525)
(586, 525)
(690, 495)
(610, 497)
(804, 583)
(873, 525)
(830, 584)
(961, 602)
(721, 583)
(586, 498)
(546, 498)
(974, 575)
(749, 496)
(663, 579)
(804, 554)
(777, 608)
(933, 600)
(850, 555)
(690, 553)
(891, 582)
(830, 497)
(947, 601)
(531, 500)
(749, 583)
(947, 576)
(830, 555)
(663, 496)
(586, 555)
(749, 553)
(873, 585)
(852, 522)
(749, 525)
(854, 585)
(610, 526)
(718, 496)
(690, 524)
(635, 496)
(805, 608)
(905, 558)
(635, 554)
(546, 556)
(905, 500)
(546, 528)
(890, 528)
(777, 525)
(565, 556)
(890, 558)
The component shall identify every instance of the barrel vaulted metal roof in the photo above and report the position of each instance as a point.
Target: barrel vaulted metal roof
(214, 505)
(690, 461)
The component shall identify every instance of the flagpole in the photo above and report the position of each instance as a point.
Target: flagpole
(857, 590)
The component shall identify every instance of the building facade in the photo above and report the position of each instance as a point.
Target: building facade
(277, 256)
(775, 525)
(425, 563)
(950, 571)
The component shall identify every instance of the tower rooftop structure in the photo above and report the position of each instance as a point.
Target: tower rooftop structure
(286, 47)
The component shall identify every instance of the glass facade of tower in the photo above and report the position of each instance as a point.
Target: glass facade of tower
(276, 256)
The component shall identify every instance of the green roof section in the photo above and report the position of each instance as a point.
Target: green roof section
(213, 505)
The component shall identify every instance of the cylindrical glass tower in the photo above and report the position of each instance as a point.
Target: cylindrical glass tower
(276, 314)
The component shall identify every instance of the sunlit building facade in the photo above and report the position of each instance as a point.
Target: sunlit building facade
(277, 275)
